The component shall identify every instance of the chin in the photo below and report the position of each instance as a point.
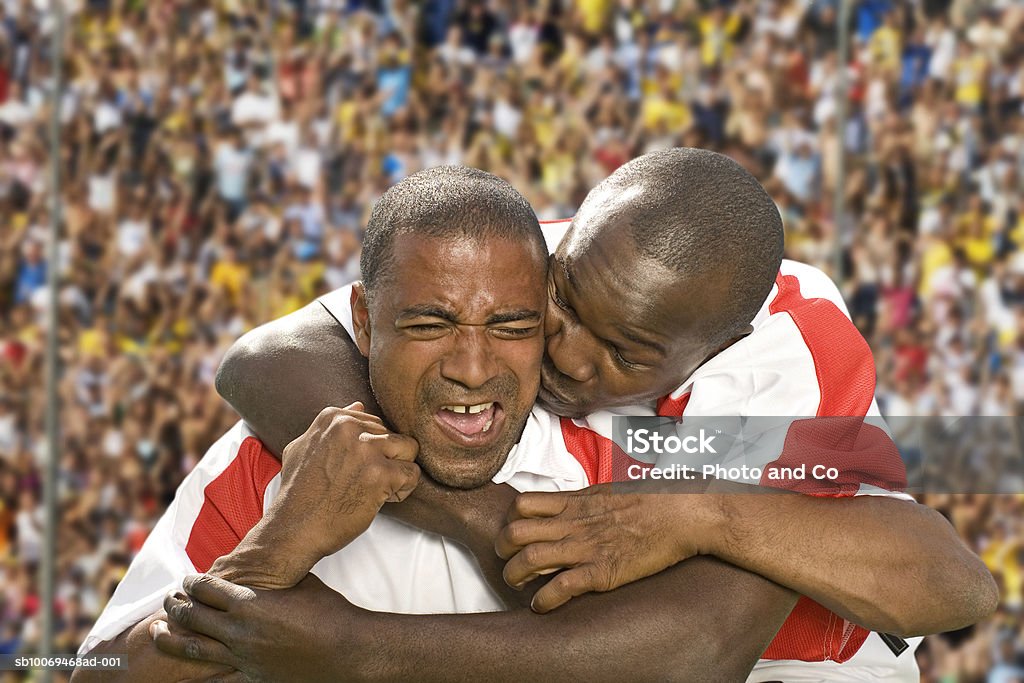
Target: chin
(460, 469)
(446, 476)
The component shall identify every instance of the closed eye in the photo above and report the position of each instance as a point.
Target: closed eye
(617, 355)
(426, 330)
(515, 332)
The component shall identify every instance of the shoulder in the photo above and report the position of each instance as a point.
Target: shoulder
(804, 357)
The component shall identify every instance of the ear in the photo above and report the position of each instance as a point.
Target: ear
(360, 319)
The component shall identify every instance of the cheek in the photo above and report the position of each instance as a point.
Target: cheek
(524, 361)
(622, 386)
(395, 378)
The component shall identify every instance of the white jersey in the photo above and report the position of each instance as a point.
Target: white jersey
(804, 359)
(779, 369)
(392, 567)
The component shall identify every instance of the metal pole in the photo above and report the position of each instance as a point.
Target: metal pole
(841, 94)
(48, 558)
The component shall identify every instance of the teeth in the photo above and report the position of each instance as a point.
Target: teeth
(478, 408)
(488, 425)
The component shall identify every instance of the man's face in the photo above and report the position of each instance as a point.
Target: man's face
(454, 338)
(620, 329)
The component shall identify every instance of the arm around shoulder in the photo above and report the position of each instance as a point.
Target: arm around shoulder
(279, 376)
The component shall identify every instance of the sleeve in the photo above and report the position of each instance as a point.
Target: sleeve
(213, 509)
(338, 304)
(803, 386)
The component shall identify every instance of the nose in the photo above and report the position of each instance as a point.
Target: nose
(471, 361)
(569, 345)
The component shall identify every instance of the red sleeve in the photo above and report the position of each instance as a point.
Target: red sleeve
(232, 504)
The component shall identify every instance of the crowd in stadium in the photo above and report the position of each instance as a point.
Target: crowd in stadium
(219, 160)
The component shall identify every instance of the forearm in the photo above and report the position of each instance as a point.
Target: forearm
(278, 552)
(266, 558)
(471, 517)
(888, 565)
(144, 660)
(264, 375)
(481, 527)
(700, 620)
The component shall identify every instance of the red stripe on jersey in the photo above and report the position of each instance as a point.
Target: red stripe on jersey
(838, 436)
(601, 459)
(861, 452)
(811, 633)
(555, 220)
(233, 503)
(673, 407)
(842, 359)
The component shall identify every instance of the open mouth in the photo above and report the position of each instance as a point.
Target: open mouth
(471, 424)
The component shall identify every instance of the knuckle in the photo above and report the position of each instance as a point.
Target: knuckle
(373, 471)
(192, 649)
(181, 613)
(599, 576)
(521, 504)
(533, 555)
(201, 580)
(342, 420)
(517, 532)
(329, 413)
(562, 584)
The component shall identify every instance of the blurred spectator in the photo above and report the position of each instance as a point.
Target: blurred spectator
(220, 158)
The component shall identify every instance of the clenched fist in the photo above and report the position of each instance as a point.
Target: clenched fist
(334, 480)
(340, 472)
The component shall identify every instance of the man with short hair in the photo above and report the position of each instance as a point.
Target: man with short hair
(667, 289)
(450, 320)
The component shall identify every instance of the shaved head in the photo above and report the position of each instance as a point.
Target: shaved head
(699, 216)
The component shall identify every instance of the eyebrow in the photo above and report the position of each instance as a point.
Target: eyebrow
(433, 311)
(523, 314)
(637, 339)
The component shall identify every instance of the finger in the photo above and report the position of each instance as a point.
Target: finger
(357, 410)
(520, 533)
(370, 427)
(190, 615)
(191, 646)
(394, 446)
(216, 592)
(538, 559)
(367, 417)
(563, 588)
(326, 416)
(527, 505)
(405, 479)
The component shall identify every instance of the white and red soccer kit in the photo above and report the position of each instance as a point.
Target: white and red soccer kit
(804, 359)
